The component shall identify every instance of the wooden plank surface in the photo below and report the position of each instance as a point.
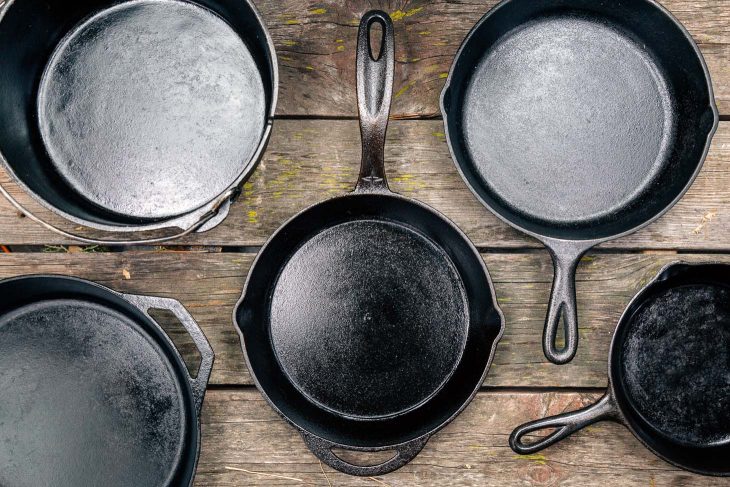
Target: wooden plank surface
(209, 284)
(310, 161)
(315, 41)
(240, 431)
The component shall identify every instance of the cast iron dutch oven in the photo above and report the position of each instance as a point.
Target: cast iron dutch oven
(369, 321)
(93, 391)
(577, 122)
(668, 373)
(136, 115)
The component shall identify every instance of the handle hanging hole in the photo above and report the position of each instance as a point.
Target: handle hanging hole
(538, 435)
(561, 330)
(180, 338)
(364, 458)
(376, 38)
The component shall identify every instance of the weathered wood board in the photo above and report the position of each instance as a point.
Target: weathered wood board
(209, 285)
(310, 161)
(315, 42)
(240, 431)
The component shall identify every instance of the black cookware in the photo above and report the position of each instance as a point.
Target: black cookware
(93, 391)
(668, 373)
(135, 115)
(577, 122)
(369, 321)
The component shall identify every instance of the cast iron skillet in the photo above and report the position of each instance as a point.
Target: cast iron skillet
(135, 115)
(668, 372)
(93, 390)
(369, 321)
(577, 122)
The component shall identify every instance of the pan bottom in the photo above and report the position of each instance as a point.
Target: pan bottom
(151, 108)
(675, 364)
(86, 399)
(567, 119)
(369, 318)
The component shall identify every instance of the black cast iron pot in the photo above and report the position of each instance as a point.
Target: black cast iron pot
(137, 115)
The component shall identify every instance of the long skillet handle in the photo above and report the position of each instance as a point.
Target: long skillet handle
(563, 425)
(374, 92)
(566, 256)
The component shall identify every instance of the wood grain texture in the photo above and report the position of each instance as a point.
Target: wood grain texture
(241, 431)
(310, 161)
(315, 41)
(209, 285)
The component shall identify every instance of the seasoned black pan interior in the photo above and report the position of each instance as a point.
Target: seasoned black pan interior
(579, 119)
(135, 111)
(89, 395)
(675, 363)
(358, 331)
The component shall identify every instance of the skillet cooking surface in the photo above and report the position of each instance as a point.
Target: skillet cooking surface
(86, 399)
(152, 107)
(675, 363)
(359, 309)
(567, 119)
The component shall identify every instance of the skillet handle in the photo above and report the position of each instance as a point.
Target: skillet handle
(199, 383)
(565, 424)
(374, 91)
(404, 453)
(221, 204)
(562, 304)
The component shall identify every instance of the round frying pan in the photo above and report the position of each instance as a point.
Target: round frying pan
(136, 115)
(93, 390)
(668, 373)
(577, 122)
(369, 321)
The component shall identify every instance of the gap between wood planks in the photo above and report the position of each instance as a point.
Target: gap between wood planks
(483, 388)
(213, 249)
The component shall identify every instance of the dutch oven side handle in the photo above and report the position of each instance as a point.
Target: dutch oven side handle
(199, 383)
(219, 206)
(404, 453)
(564, 424)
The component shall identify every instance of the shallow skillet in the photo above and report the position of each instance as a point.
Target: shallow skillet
(369, 321)
(93, 391)
(135, 115)
(577, 122)
(668, 373)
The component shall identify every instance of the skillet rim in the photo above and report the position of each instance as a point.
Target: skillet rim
(584, 243)
(377, 445)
